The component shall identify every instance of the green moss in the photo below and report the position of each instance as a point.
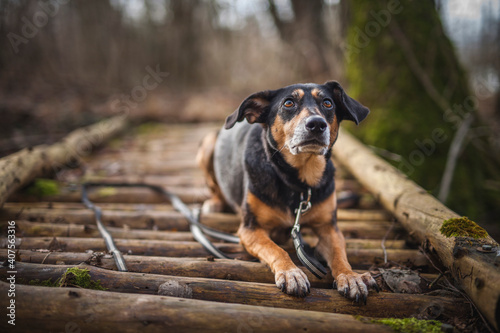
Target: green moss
(43, 187)
(79, 277)
(462, 227)
(44, 283)
(107, 191)
(411, 325)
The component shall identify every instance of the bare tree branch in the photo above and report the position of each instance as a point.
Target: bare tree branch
(458, 140)
(453, 154)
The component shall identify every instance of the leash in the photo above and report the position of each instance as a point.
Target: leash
(200, 231)
(197, 229)
(298, 242)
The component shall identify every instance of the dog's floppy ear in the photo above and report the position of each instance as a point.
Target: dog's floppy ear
(350, 109)
(254, 108)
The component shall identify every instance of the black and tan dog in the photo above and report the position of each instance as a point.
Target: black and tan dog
(261, 171)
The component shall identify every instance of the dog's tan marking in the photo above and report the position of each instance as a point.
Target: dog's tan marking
(205, 159)
(252, 114)
(278, 132)
(309, 166)
(321, 213)
(316, 93)
(334, 130)
(331, 243)
(332, 247)
(268, 217)
(258, 243)
(298, 93)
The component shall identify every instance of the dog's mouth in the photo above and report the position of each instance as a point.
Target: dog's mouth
(312, 146)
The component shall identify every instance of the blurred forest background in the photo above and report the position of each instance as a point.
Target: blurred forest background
(428, 70)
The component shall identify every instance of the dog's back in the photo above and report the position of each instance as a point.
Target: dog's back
(229, 162)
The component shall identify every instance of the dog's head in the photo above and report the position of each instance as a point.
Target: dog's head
(304, 118)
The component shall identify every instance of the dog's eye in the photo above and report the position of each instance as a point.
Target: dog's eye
(288, 103)
(327, 103)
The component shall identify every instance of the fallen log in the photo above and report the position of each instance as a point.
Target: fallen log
(423, 215)
(358, 257)
(20, 168)
(352, 229)
(39, 309)
(323, 300)
(223, 269)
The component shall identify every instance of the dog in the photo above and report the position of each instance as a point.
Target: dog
(272, 150)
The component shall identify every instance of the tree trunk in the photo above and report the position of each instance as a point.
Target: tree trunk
(406, 71)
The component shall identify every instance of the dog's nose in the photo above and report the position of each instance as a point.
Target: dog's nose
(316, 124)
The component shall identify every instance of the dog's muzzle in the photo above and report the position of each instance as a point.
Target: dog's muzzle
(311, 136)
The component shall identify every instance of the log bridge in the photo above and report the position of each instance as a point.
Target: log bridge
(392, 230)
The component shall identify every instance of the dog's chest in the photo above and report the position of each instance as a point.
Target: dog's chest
(285, 217)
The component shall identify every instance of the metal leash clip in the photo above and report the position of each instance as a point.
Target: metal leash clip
(300, 246)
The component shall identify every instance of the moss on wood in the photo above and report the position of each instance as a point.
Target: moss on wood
(79, 277)
(73, 277)
(107, 192)
(462, 227)
(42, 187)
(411, 325)
(44, 283)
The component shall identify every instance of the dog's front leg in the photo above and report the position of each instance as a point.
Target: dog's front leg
(289, 278)
(331, 245)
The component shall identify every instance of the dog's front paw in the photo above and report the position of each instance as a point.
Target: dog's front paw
(293, 281)
(355, 286)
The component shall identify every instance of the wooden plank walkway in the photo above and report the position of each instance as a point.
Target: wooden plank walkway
(172, 281)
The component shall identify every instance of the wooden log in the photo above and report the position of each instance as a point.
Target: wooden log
(135, 246)
(138, 219)
(145, 217)
(162, 180)
(353, 229)
(99, 197)
(360, 258)
(39, 309)
(20, 168)
(262, 294)
(223, 269)
(80, 243)
(124, 195)
(41, 229)
(362, 215)
(423, 215)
